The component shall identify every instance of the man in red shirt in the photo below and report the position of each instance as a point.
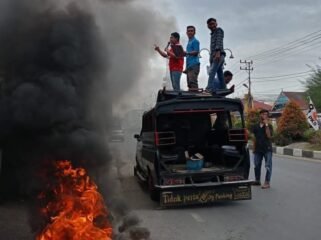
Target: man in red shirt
(175, 53)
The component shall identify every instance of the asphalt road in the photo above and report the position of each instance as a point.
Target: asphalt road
(291, 209)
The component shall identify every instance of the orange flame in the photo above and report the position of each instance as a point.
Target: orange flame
(76, 210)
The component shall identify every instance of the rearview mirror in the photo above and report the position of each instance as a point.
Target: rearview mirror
(137, 136)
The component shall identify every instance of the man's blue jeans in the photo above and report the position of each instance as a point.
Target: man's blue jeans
(175, 79)
(258, 157)
(216, 68)
(217, 85)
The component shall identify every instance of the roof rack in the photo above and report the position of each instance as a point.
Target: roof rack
(164, 95)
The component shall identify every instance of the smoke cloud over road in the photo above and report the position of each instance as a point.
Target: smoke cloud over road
(62, 66)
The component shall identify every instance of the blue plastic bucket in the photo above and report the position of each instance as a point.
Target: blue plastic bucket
(194, 164)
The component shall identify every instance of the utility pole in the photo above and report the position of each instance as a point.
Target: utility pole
(248, 67)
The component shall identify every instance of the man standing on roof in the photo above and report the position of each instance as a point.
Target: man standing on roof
(175, 53)
(262, 148)
(192, 59)
(217, 56)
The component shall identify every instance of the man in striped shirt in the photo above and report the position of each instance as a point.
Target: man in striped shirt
(217, 57)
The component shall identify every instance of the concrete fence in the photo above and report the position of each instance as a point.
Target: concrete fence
(296, 152)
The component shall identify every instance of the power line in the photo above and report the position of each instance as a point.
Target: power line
(238, 82)
(274, 80)
(298, 42)
(234, 66)
(282, 57)
(295, 77)
(290, 48)
(281, 76)
(237, 72)
(244, 80)
(285, 45)
(302, 44)
(241, 83)
(278, 89)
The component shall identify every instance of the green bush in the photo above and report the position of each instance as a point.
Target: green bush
(238, 124)
(252, 118)
(293, 122)
(282, 140)
(312, 136)
(316, 138)
(236, 121)
(308, 134)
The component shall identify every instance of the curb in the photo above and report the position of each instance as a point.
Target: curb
(296, 152)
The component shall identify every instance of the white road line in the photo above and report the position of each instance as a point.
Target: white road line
(197, 218)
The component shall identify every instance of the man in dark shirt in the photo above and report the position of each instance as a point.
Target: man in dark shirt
(263, 132)
(217, 56)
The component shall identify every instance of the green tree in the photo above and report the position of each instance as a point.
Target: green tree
(252, 118)
(293, 122)
(246, 102)
(313, 86)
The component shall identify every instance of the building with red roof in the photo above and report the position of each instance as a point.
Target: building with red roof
(261, 105)
(257, 105)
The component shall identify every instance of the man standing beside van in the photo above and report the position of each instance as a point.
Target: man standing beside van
(192, 59)
(262, 148)
(175, 53)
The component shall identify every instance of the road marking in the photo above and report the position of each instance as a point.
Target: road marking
(293, 157)
(197, 218)
(298, 158)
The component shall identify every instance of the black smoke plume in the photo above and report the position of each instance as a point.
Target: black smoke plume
(51, 64)
(63, 65)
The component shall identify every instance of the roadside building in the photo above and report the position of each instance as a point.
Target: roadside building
(259, 105)
(285, 97)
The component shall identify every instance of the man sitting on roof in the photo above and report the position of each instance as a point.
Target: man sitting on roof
(228, 76)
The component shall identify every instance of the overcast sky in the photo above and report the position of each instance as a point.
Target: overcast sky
(252, 27)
